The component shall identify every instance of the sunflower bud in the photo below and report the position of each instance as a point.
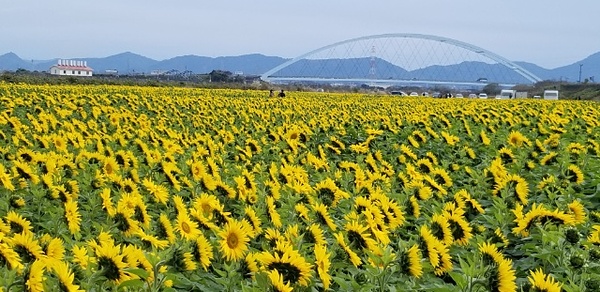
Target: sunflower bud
(595, 254)
(572, 236)
(592, 285)
(576, 262)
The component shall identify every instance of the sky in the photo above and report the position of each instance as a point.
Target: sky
(549, 33)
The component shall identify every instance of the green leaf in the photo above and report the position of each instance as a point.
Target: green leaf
(134, 283)
(459, 278)
(138, 272)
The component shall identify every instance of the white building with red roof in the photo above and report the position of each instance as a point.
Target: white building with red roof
(71, 68)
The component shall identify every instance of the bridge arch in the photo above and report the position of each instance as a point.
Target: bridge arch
(268, 76)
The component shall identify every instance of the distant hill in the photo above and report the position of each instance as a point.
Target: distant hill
(590, 68)
(10, 61)
(256, 64)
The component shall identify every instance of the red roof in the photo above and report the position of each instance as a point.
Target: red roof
(81, 68)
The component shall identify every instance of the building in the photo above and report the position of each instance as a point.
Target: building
(71, 68)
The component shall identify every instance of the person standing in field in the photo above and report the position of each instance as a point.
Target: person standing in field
(271, 94)
(281, 93)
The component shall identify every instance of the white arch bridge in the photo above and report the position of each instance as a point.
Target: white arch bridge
(401, 59)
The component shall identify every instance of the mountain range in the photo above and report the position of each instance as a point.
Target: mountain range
(256, 64)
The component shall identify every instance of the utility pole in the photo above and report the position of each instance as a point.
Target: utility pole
(580, 65)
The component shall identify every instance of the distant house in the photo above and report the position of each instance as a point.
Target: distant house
(71, 68)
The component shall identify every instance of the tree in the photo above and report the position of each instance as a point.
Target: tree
(219, 76)
(491, 89)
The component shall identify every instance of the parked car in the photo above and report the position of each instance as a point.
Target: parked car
(483, 95)
(472, 95)
(458, 95)
(401, 93)
(425, 94)
(414, 94)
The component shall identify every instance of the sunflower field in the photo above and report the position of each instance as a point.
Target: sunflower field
(113, 188)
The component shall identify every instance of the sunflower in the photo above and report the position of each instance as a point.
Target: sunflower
(223, 190)
(72, 216)
(392, 211)
(413, 207)
(547, 182)
(450, 139)
(549, 158)
(24, 170)
(354, 258)
(6, 179)
(496, 170)
(461, 231)
(110, 166)
(576, 148)
(289, 263)
(516, 139)
(418, 136)
(445, 264)
(27, 247)
(553, 141)
(470, 152)
(440, 228)
(506, 155)
(499, 237)
(54, 251)
(107, 203)
(277, 280)
(406, 151)
(484, 138)
(322, 264)
(35, 277)
(578, 211)
(410, 262)
(248, 266)
(594, 236)
(272, 213)
(358, 237)
(80, 256)
(329, 193)
(541, 214)
(516, 182)
(234, 240)
(188, 262)
(429, 246)
(502, 277)
(135, 257)
(250, 216)
(441, 191)
(413, 142)
(187, 228)
(441, 177)
(424, 165)
(315, 235)
(490, 253)
(543, 282)
(323, 216)
(172, 172)
(159, 192)
(574, 174)
(111, 264)
(302, 211)
(123, 220)
(151, 241)
(8, 255)
(65, 277)
(17, 223)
